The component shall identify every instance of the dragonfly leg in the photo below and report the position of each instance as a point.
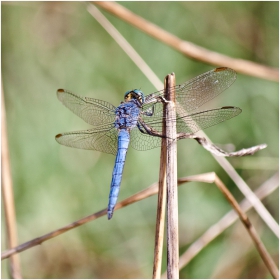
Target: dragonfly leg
(148, 130)
(149, 112)
(164, 100)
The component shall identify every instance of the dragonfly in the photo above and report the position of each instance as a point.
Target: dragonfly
(138, 120)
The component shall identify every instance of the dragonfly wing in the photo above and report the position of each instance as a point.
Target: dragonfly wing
(142, 141)
(195, 92)
(201, 120)
(93, 111)
(102, 139)
(197, 121)
(201, 89)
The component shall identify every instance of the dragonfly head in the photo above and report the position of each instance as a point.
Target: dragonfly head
(134, 94)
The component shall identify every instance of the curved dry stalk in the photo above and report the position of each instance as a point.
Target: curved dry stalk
(151, 190)
(8, 197)
(244, 188)
(129, 50)
(226, 221)
(250, 228)
(249, 194)
(189, 49)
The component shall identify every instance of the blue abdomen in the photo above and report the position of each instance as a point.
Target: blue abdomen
(123, 142)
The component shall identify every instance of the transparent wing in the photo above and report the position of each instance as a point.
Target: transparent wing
(186, 124)
(201, 120)
(142, 142)
(94, 111)
(201, 89)
(103, 139)
(195, 92)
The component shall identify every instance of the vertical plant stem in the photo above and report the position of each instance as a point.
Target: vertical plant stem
(8, 198)
(171, 181)
(159, 236)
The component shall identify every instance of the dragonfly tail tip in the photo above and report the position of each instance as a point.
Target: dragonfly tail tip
(109, 215)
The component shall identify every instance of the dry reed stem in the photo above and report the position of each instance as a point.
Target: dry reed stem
(128, 49)
(139, 62)
(151, 190)
(249, 194)
(189, 49)
(159, 234)
(171, 180)
(8, 197)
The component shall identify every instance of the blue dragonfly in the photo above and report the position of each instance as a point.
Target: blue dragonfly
(138, 120)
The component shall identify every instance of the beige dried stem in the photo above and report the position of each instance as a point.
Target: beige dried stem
(151, 190)
(139, 62)
(171, 180)
(160, 220)
(8, 197)
(189, 49)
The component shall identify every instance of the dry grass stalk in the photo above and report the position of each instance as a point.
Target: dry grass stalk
(159, 235)
(189, 49)
(171, 181)
(8, 198)
(151, 190)
(249, 194)
(128, 49)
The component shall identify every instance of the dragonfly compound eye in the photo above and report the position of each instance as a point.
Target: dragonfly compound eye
(127, 96)
(134, 94)
(139, 95)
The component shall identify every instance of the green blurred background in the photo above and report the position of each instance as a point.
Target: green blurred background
(51, 45)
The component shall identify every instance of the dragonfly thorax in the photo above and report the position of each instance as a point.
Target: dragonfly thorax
(127, 115)
(134, 94)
